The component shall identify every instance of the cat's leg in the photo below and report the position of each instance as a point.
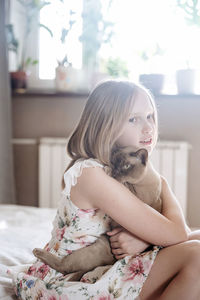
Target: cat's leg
(84, 259)
(56, 263)
(50, 259)
(90, 257)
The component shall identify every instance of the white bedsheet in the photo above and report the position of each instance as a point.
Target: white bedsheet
(22, 228)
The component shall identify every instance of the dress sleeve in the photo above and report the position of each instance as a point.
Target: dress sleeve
(71, 175)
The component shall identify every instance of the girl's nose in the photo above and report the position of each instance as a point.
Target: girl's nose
(147, 128)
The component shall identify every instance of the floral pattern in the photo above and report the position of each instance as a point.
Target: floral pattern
(74, 228)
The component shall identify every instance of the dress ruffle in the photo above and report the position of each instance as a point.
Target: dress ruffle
(71, 175)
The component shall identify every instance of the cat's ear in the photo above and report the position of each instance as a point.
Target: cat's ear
(142, 154)
(118, 161)
(117, 156)
(114, 155)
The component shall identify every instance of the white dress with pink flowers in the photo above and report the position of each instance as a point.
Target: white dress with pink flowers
(74, 228)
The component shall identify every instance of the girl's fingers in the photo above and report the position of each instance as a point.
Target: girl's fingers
(114, 231)
(114, 245)
(117, 251)
(114, 238)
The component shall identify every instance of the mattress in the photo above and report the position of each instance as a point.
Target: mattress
(22, 228)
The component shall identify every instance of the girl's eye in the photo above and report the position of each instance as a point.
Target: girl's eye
(133, 120)
(149, 117)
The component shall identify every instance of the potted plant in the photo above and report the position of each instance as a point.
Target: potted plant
(113, 67)
(116, 67)
(185, 78)
(65, 79)
(152, 81)
(30, 12)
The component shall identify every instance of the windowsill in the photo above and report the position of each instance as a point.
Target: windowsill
(177, 95)
(55, 93)
(48, 92)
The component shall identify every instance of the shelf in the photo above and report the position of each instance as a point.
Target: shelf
(47, 92)
(54, 93)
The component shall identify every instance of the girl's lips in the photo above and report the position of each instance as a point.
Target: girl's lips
(146, 142)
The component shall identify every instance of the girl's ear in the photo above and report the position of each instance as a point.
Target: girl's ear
(142, 154)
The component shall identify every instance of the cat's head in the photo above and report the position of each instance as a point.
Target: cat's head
(129, 164)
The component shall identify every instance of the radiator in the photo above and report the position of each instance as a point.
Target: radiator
(169, 158)
(53, 160)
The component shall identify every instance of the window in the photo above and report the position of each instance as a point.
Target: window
(150, 36)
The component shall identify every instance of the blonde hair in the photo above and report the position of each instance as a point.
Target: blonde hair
(101, 123)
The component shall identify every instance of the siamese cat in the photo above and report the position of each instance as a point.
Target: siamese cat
(131, 168)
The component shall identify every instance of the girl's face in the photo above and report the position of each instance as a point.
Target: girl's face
(140, 130)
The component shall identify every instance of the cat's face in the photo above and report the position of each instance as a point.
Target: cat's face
(129, 165)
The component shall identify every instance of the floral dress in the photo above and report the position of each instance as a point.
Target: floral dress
(74, 228)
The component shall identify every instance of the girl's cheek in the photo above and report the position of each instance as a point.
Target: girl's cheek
(134, 130)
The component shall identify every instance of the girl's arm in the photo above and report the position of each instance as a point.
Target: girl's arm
(112, 197)
(124, 243)
(171, 207)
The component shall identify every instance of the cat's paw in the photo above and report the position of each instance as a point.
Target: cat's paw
(38, 252)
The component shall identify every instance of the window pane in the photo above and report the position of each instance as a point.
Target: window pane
(141, 25)
(57, 16)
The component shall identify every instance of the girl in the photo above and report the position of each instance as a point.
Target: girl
(117, 113)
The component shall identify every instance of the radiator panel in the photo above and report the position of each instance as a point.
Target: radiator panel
(53, 161)
(170, 159)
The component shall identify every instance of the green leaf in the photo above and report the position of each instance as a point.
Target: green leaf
(35, 62)
(28, 61)
(13, 43)
(46, 28)
(64, 34)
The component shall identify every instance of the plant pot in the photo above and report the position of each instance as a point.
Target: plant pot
(153, 82)
(18, 80)
(66, 79)
(185, 81)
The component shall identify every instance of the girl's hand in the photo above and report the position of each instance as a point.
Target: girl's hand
(124, 243)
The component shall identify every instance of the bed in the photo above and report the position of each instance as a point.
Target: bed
(22, 228)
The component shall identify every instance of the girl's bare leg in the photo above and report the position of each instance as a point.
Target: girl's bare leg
(175, 274)
(194, 235)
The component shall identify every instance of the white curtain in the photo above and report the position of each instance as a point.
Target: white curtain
(7, 190)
